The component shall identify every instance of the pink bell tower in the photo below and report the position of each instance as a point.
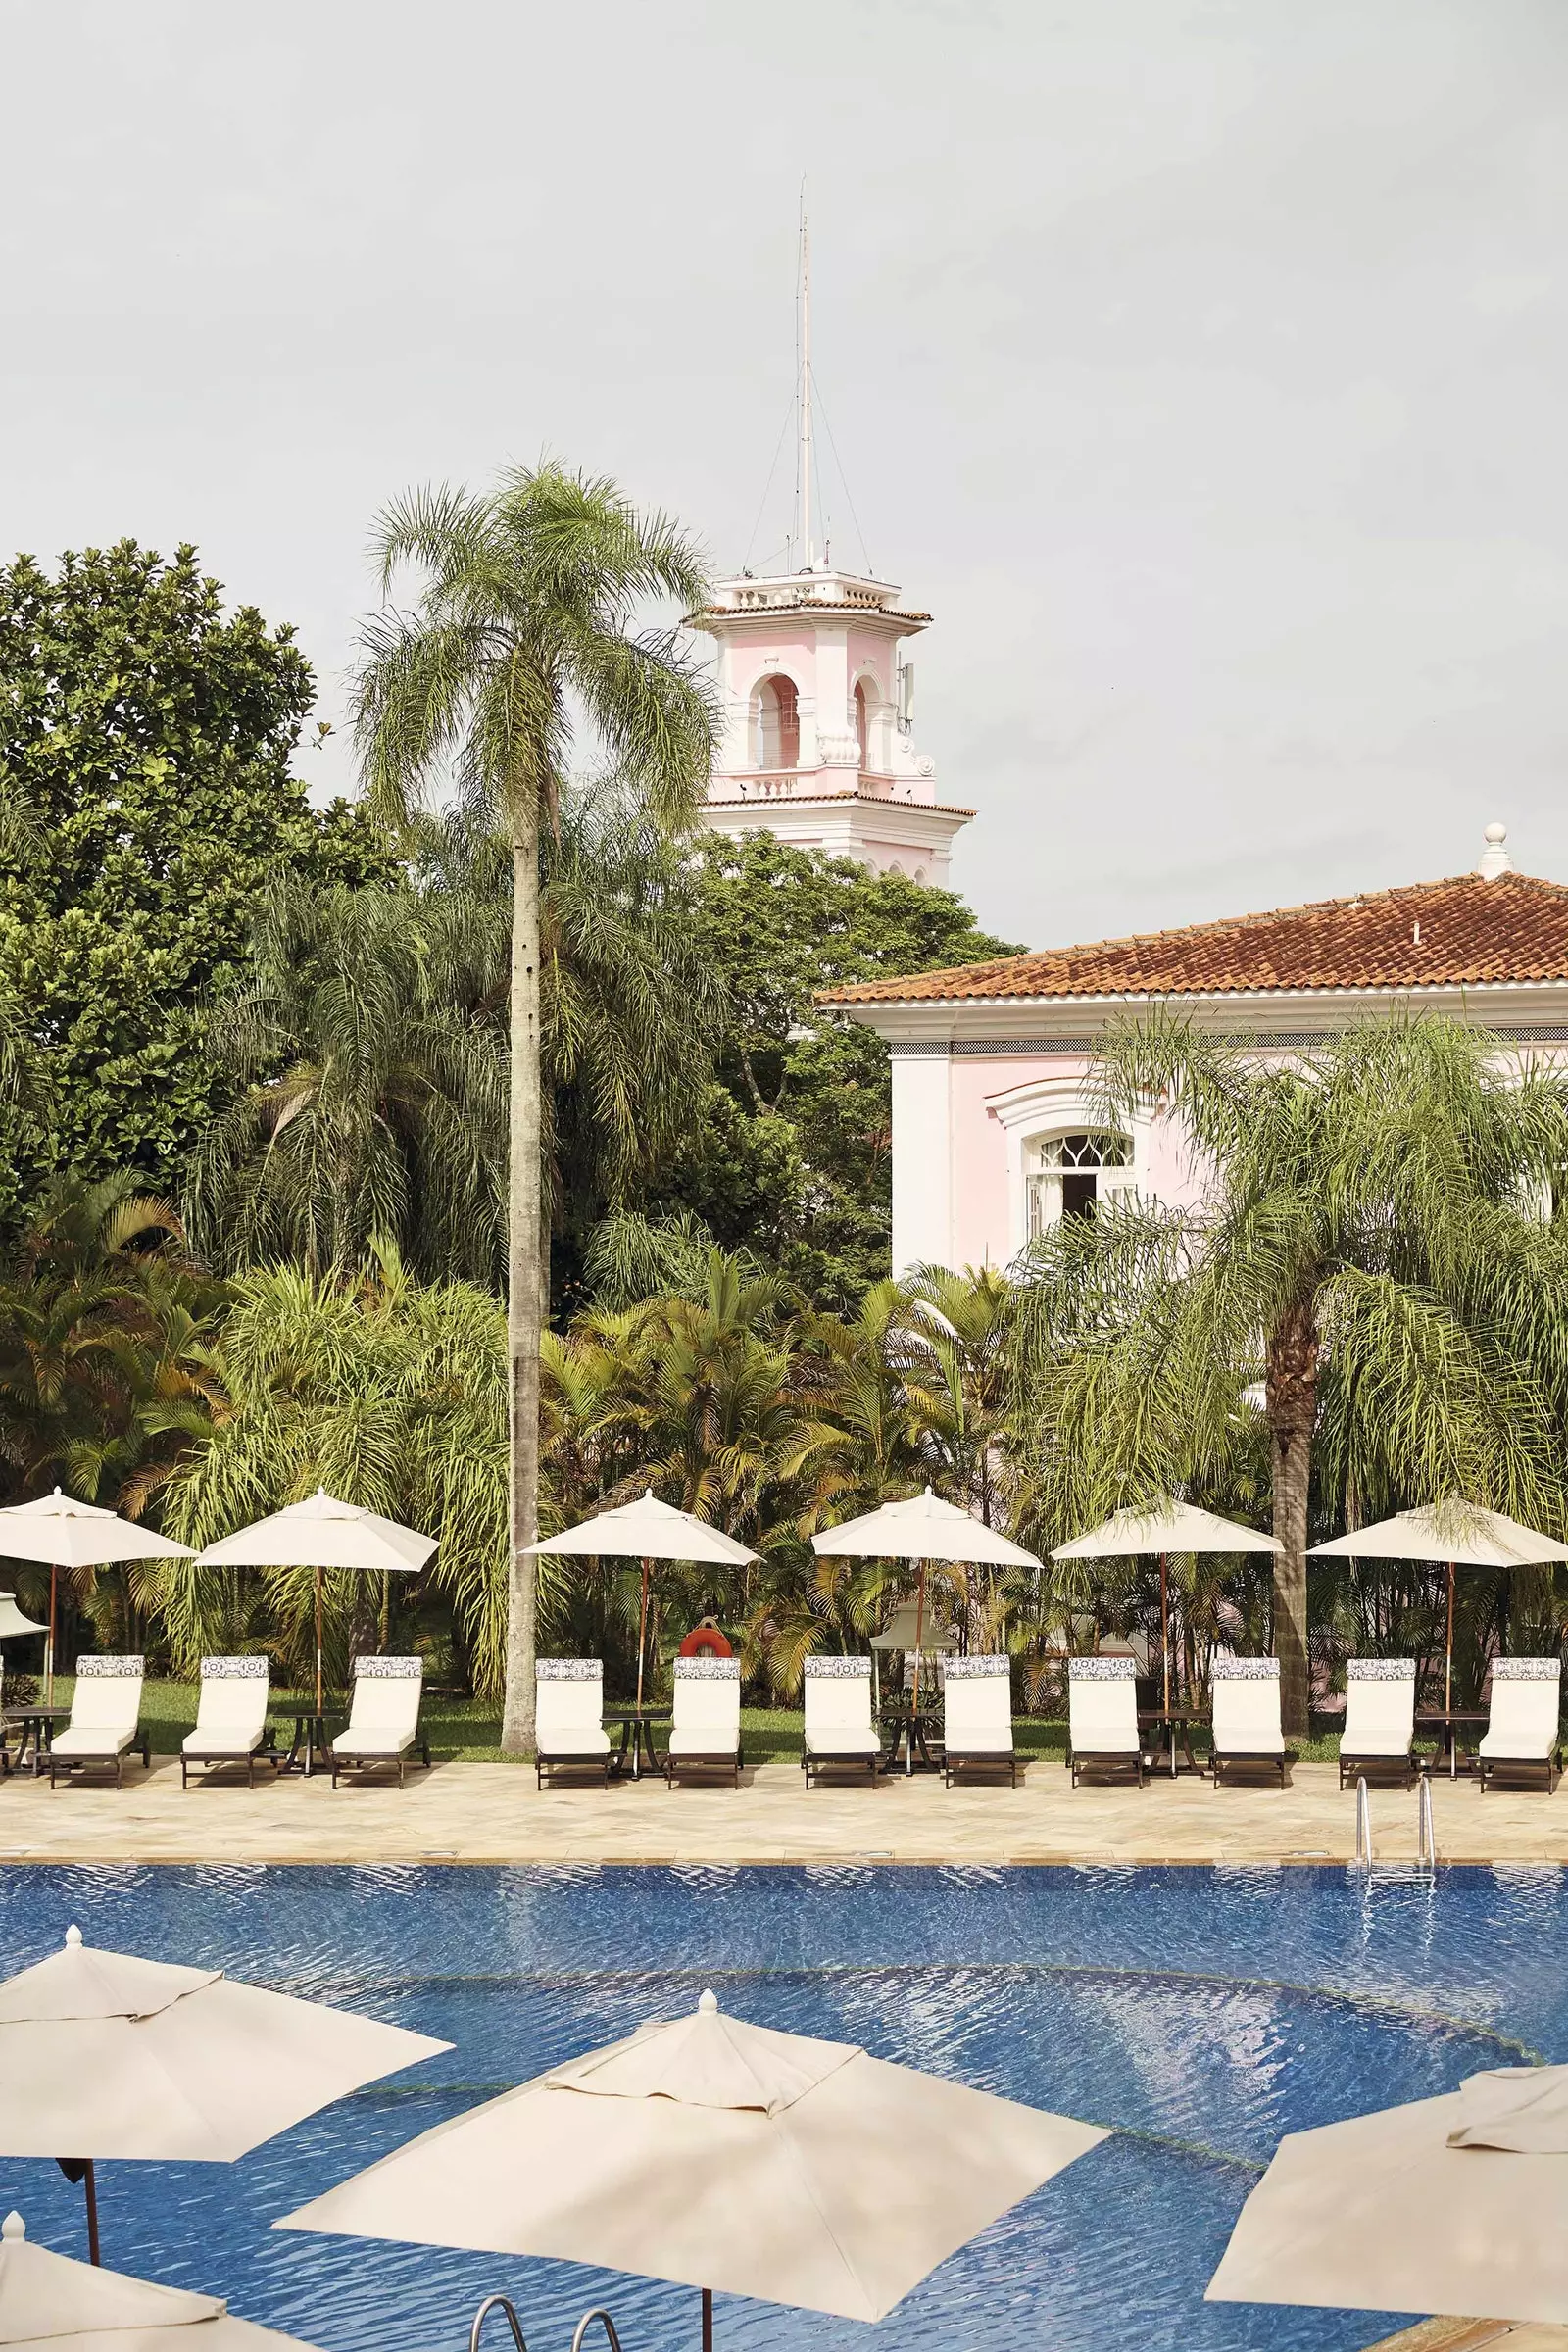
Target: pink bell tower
(817, 703)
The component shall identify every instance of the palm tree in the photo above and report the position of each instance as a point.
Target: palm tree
(523, 619)
(1373, 1249)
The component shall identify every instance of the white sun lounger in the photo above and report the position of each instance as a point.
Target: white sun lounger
(705, 1736)
(105, 1718)
(1522, 1736)
(1379, 1734)
(230, 1717)
(977, 1718)
(383, 1723)
(840, 1735)
(569, 1735)
(1246, 1693)
(1103, 1734)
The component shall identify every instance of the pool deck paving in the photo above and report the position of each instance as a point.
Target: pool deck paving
(1474, 2335)
(493, 1813)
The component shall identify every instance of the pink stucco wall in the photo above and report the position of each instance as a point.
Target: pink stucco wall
(983, 1207)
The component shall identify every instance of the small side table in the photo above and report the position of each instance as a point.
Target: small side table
(1446, 1724)
(1178, 1722)
(912, 1730)
(310, 1743)
(636, 1740)
(38, 1725)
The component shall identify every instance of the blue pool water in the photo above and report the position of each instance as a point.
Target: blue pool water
(1199, 2013)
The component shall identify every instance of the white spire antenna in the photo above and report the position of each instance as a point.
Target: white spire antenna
(806, 384)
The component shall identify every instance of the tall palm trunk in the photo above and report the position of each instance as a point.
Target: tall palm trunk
(1290, 1386)
(523, 1280)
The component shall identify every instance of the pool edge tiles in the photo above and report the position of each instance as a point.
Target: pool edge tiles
(491, 1815)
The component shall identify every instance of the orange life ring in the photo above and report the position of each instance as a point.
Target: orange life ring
(705, 1640)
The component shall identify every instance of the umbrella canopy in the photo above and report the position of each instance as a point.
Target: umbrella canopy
(725, 2156)
(647, 1530)
(905, 1630)
(323, 1533)
(103, 2054)
(1457, 1534)
(1457, 2205)
(60, 1531)
(925, 1528)
(1170, 1527)
(12, 1621)
(49, 2303)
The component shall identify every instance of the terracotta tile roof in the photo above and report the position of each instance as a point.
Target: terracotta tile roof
(1462, 932)
(801, 604)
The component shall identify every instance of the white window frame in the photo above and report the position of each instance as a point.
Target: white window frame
(1041, 1111)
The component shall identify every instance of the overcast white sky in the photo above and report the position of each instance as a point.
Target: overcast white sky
(1200, 363)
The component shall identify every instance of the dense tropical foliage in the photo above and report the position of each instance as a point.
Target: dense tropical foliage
(267, 1218)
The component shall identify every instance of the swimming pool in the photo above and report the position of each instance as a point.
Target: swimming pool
(1202, 2013)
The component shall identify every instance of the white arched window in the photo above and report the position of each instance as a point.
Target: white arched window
(1069, 1175)
(776, 723)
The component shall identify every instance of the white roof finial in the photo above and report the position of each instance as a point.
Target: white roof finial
(1495, 858)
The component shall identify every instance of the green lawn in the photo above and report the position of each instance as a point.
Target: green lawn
(467, 1731)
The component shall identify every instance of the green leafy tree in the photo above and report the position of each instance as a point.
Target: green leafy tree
(1373, 1255)
(793, 1153)
(523, 627)
(145, 741)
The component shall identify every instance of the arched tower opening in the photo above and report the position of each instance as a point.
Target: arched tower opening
(777, 724)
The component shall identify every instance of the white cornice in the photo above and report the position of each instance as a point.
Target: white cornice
(1036, 1022)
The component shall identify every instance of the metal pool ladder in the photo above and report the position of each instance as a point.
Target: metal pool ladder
(1425, 1844)
(502, 2303)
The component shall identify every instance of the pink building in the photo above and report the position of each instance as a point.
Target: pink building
(995, 1132)
(817, 704)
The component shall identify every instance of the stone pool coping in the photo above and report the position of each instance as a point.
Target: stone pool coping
(1471, 2335)
(493, 1814)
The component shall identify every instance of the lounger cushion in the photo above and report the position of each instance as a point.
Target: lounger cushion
(1379, 1707)
(838, 1708)
(568, 1702)
(86, 1742)
(232, 1712)
(977, 1707)
(1103, 1707)
(706, 1719)
(384, 1718)
(1526, 1696)
(1245, 1695)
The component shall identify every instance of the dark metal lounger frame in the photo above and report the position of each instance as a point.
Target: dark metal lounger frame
(265, 1752)
(596, 1767)
(1549, 1767)
(1080, 1760)
(78, 1763)
(1245, 1759)
(980, 1761)
(813, 1766)
(718, 1762)
(417, 1751)
(1355, 1767)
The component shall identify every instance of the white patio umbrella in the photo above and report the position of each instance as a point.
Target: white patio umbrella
(49, 2303)
(59, 1532)
(1164, 1528)
(103, 2055)
(907, 1629)
(12, 1621)
(725, 2156)
(323, 1533)
(921, 1530)
(646, 1530)
(1455, 2206)
(1459, 1534)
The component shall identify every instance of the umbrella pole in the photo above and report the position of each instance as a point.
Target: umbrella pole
(708, 2318)
(90, 2184)
(318, 1701)
(1447, 1684)
(1164, 1639)
(642, 1652)
(914, 1697)
(49, 1652)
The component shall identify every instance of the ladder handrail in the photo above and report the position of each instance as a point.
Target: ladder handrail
(1364, 1826)
(587, 2321)
(1426, 1842)
(498, 2303)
